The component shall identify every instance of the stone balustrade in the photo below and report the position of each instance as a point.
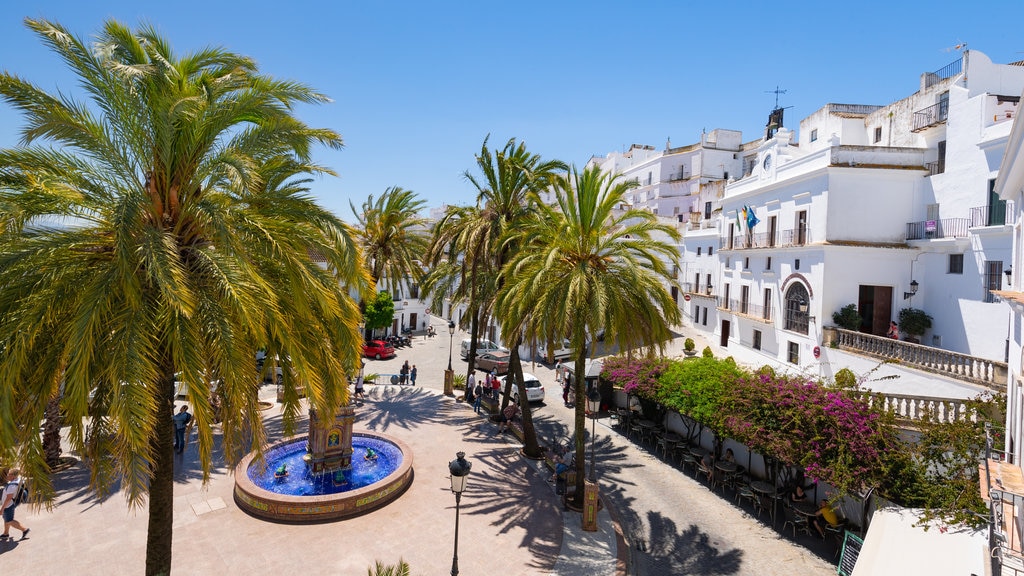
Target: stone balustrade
(910, 409)
(982, 371)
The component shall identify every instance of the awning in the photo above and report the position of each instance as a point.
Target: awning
(895, 546)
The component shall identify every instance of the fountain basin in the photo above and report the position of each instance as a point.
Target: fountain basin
(303, 497)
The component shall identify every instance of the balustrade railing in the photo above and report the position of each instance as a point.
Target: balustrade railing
(1000, 214)
(930, 116)
(946, 362)
(781, 239)
(745, 308)
(945, 228)
(915, 408)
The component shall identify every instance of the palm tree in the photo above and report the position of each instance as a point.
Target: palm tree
(584, 266)
(161, 227)
(393, 235)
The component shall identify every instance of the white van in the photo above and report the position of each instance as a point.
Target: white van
(562, 351)
(482, 345)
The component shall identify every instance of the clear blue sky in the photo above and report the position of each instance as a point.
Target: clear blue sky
(418, 85)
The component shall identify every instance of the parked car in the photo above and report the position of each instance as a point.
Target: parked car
(378, 349)
(534, 389)
(482, 345)
(497, 361)
(561, 351)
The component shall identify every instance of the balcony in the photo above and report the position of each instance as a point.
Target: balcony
(781, 239)
(951, 364)
(745, 308)
(931, 116)
(932, 229)
(1002, 214)
(678, 176)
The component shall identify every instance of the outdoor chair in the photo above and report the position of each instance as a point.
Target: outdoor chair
(634, 426)
(797, 521)
(686, 459)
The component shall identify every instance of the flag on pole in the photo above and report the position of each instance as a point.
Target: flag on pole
(751, 217)
(739, 223)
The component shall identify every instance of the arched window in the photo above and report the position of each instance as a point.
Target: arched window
(797, 304)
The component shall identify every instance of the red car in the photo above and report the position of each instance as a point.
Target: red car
(378, 349)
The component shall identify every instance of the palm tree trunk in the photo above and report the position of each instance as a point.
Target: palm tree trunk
(161, 488)
(580, 391)
(515, 369)
(51, 432)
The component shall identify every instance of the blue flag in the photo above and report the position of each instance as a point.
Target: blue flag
(751, 218)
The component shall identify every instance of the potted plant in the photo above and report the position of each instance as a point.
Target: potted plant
(913, 322)
(689, 347)
(847, 317)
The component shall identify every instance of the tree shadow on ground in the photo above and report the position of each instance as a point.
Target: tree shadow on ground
(509, 487)
(665, 548)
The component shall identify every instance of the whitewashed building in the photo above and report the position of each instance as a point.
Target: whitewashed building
(885, 207)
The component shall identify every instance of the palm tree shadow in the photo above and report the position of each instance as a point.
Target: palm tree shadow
(513, 492)
(669, 549)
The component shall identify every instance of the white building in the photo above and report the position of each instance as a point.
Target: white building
(874, 199)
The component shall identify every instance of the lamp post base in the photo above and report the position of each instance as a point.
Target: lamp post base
(449, 385)
(590, 505)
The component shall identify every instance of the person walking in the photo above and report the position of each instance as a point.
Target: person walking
(10, 503)
(478, 397)
(495, 387)
(412, 375)
(181, 420)
(403, 374)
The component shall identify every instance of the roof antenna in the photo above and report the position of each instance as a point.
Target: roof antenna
(776, 92)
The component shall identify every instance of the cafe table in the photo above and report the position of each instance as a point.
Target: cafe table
(766, 490)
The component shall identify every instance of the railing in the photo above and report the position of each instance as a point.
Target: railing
(947, 71)
(930, 116)
(677, 176)
(945, 362)
(781, 239)
(1001, 214)
(945, 228)
(745, 308)
(914, 408)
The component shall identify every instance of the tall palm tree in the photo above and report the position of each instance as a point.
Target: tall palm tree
(584, 266)
(163, 226)
(504, 182)
(393, 235)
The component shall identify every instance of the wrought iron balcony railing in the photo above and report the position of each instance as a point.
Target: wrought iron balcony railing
(931, 116)
(944, 228)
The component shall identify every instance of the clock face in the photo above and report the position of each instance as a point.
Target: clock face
(767, 161)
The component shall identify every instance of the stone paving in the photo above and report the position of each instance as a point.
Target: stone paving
(511, 521)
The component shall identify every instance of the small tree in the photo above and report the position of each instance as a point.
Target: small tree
(379, 311)
(707, 353)
(689, 347)
(914, 322)
(847, 317)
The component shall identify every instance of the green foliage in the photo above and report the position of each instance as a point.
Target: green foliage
(381, 569)
(695, 387)
(914, 321)
(707, 353)
(380, 311)
(847, 317)
(766, 370)
(689, 345)
(459, 381)
(846, 379)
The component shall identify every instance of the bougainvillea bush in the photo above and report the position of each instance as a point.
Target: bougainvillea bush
(635, 375)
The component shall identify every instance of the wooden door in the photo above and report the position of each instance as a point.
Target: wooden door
(724, 342)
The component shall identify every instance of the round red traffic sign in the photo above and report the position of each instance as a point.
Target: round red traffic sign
(817, 352)
(686, 297)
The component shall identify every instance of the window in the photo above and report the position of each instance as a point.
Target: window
(794, 353)
(797, 305)
(728, 263)
(744, 299)
(698, 250)
(708, 283)
(707, 210)
(732, 234)
(711, 250)
(768, 263)
(725, 297)
(993, 278)
(941, 162)
(801, 227)
(757, 340)
(746, 263)
(696, 314)
(773, 230)
(796, 264)
(696, 282)
(767, 304)
(878, 134)
(705, 316)
(956, 264)
(996, 206)
(648, 178)
(814, 138)
(414, 291)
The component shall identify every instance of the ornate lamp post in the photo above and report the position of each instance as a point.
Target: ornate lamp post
(449, 374)
(459, 469)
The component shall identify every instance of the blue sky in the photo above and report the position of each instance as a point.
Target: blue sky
(418, 85)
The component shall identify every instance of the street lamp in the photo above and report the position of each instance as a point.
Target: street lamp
(449, 374)
(593, 405)
(459, 469)
(451, 334)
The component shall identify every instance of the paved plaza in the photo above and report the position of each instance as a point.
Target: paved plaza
(657, 521)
